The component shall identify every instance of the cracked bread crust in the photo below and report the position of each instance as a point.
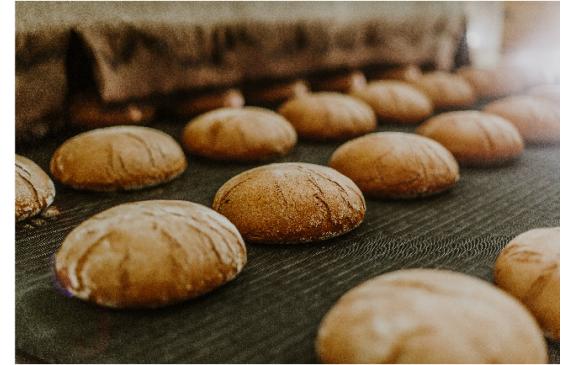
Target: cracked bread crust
(34, 189)
(529, 269)
(149, 254)
(239, 134)
(396, 101)
(475, 138)
(118, 158)
(396, 165)
(329, 116)
(429, 316)
(291, 203)
(537, 119)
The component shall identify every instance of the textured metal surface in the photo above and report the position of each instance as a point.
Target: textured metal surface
(271, 312)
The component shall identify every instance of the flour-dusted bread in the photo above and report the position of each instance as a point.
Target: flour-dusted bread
(329, 116)
(429, 316)
(34, 189)
(239, 134)
(149, 254)
(396, 101)
(291, 203)
(475, 138)
(396, 165)
(446, 90)
(537, 119)
(118, 158)
(87, 111)
(529, 269)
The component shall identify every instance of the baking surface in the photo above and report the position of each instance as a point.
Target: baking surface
(271, 312)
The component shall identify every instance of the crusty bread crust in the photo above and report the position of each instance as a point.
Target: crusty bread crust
(396, 101)
(239, 134)
(475, 138)
(118, 158)
(528, 268)
(423, 316)
(329, 116)
(537, 119)
(396, 165)
(150, 254)
(291, 203)
(34, 189)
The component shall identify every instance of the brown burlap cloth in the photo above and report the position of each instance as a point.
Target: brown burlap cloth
(135, 50)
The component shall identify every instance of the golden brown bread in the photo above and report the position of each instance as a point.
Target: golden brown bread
(342, 83)
(446, 91)
(493, 83)
(149, 254)
(88, 112)
(429, 316)
(537, 119)
(118, 158)
(240, 134)
(475, 138)
(396, 165)
(231, 98)
(396, 101)
(529, 269)
(407, 73)
(276, 93)
(329, 116)
(34, 189)
(290, 203)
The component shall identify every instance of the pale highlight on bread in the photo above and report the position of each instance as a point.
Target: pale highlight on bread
(329, 116)
(475, 138)
(150, 254)
(291, 203)
(396, 165)
(396, 101)
(34, 189)
(118, 158)
(536, 119)
(277, 93)
(429, 316)
(407, 73)
(89, 112)
(240, 134)
(446, 91)
(342, 83)
(548, 92)
(231, 98)
(529, 269)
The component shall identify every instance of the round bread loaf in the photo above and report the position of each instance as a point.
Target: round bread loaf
(528, 269)
(475, 138)
(429, 316)
(240, 134)
(291, 203)
(407, 73)
(118, 158)
(277, 93)
(548, 92)
(446, 91)
(88, 112)
(149, 254)
(193, 105)
(329, 116)
(493, 83)
(34, 189)
(343, 83)
(396, 165)
(536, 119)
(396, 101)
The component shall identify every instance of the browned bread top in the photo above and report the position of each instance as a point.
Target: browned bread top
(118, 158)
(446, 90)
(149, 254)
(329, 116)
(291, 203)
(241, 134)
(34, 189)
(421, 316)
(475, 138)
